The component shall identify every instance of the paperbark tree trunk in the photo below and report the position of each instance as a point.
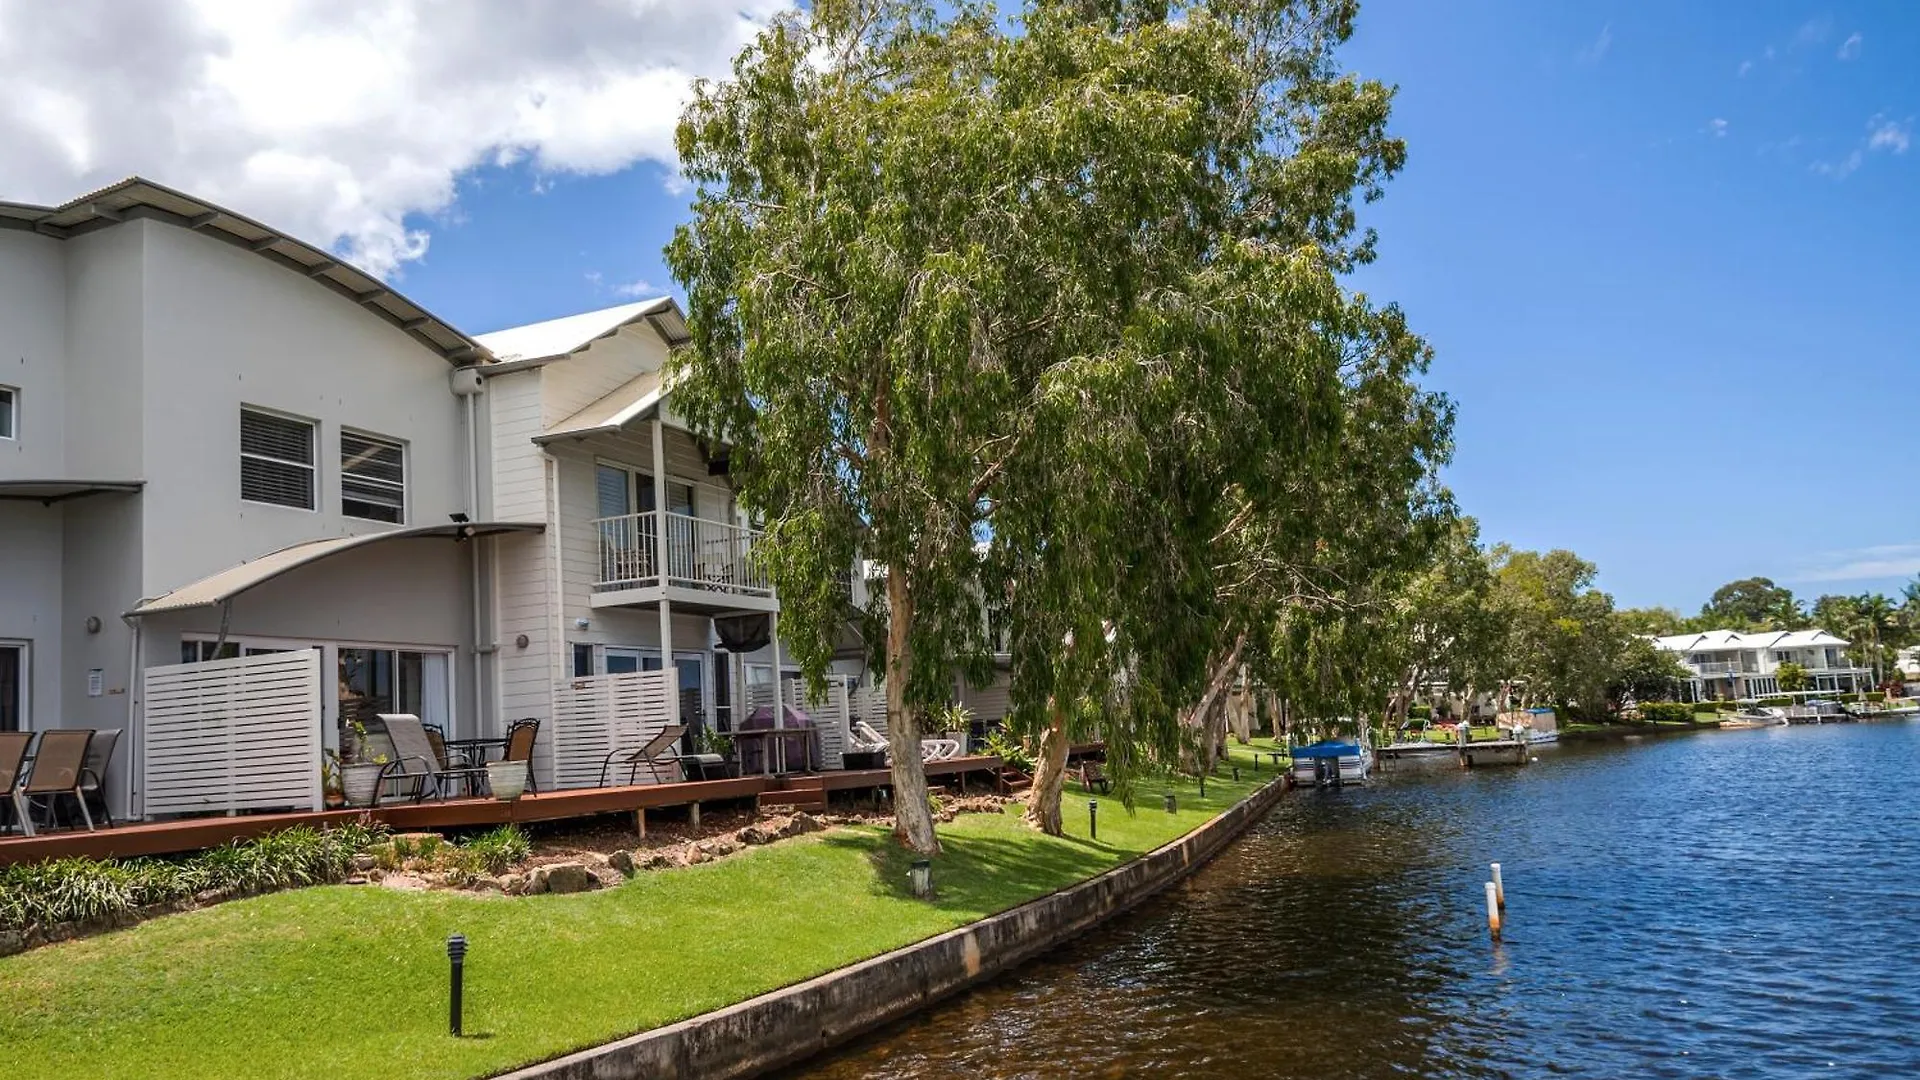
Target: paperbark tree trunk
(1205, 714)
(1049, 773)
(912, 818)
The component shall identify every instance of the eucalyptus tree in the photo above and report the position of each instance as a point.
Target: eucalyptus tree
(840, 267)
(1200, 406)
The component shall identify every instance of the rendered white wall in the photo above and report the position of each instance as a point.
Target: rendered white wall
(33, 304)
(30, 537)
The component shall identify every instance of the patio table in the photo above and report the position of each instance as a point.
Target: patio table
(475, 751)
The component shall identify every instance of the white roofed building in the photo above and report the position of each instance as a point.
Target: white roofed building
(1729, 664)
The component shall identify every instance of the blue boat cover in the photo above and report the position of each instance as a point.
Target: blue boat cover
(1327, 750)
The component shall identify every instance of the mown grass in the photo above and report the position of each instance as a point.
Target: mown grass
(348, 981)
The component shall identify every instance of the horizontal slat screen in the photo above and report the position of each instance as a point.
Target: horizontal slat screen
(231, 735)
(373, 478)
(594, 716)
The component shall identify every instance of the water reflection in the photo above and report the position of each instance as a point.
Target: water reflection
(1729, 905)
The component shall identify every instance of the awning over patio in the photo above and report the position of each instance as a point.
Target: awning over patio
(631, 401)
(218, 588)
(53, 491)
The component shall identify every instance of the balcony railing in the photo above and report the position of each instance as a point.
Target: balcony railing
(700, 554)
(1718, 667)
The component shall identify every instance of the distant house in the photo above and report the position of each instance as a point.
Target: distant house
(1727, 664)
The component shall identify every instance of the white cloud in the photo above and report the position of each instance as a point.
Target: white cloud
(1718, 127)
(1813, 31)
(1745, 66)
(1862, 564)
(634, 290)
(1850, 48)
(1597, 51)
(342, 121)
(1894, 135)
(1841, 169)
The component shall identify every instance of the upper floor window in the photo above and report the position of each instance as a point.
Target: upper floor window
(373, 478)
(9, 403)
(622, 491)
(276, 459)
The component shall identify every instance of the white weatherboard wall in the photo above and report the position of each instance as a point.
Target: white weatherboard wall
(595, 716)
(232, 735)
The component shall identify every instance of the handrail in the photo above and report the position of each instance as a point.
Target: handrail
(700, 553)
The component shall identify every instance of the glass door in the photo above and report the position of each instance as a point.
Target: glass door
(13, 686)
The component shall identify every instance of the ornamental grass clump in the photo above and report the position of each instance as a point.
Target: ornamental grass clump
(495, 851)
(59, 892)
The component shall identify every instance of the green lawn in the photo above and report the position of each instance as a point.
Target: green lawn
(347, 981)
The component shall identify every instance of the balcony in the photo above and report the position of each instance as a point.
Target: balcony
(1718, 668)
(709, 565)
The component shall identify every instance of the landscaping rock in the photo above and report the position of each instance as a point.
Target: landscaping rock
(804, 822)
(621, 861)
(567, 877)
(513, 884)
(719, 846)
(363, 862)
(763, 833)
(694, 855)
(656, 860)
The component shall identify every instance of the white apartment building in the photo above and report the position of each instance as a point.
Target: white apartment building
(217, 441)
(1729, 665)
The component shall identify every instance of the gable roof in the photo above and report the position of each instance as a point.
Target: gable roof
(571, 333)
(1722, 640)
(626, 403)
(136, 197)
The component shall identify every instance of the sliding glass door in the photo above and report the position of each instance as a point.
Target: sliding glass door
(13, 686)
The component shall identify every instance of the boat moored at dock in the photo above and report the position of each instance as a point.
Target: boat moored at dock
(1331, 762)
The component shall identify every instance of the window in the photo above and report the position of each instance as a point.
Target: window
(373, 478)
(626, 491)
(582, 660)
(13, 686)
(9, 401)
(276, 460)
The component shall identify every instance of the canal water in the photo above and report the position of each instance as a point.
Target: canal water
(1726, 904)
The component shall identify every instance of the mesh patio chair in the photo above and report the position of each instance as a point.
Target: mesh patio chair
(651, 755)
(58, 765)
(451, 761)
(939, 749)
(13, 758)
(93, 779)
(521, 735)
(414, 760)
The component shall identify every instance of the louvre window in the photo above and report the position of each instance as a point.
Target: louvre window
(8, 425)
(373, 478)
(276, 460)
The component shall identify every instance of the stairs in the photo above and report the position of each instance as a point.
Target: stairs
(797, 793)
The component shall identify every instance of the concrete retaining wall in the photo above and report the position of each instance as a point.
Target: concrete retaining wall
(796, 1022)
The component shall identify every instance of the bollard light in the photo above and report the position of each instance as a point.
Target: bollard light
(922, 877)
(1203, 785)
(1093, 819)
(456, 952)
(1169, 800)
(1236, 774)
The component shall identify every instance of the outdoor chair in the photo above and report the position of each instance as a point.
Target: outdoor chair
(13, 758)
(1092, 776)
(653, 755)
(93, 779)
(521, 735)
(58, 765)
(939, 749)
(865, 740)
(414, 759)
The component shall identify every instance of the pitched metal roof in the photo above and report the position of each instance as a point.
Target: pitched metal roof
(571, 333)
(225, 585)
(631, 401)
(136, 197)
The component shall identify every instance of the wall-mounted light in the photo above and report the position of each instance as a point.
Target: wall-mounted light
(93, 624)
(522, 641)
(581, 624)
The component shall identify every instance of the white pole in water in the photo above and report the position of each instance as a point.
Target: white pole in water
(1499, 887)
(1493, 911)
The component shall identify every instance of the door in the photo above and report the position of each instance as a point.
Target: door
(13, 686)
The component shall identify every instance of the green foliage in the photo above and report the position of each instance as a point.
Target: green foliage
(1564, 640)
(1010, 749)
(1792, 676)
(1652, 622)
(494, 851)
(60, 891)
(1666, 712)
(1752, 604)
(1420, 712)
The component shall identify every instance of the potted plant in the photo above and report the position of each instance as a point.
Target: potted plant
(360, 777)
(330, 779)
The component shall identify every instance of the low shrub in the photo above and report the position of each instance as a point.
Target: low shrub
(61, 891)
(1776, 702)
(1876, 695)
(1847, 699)
(493, 852)
(1420, 712)
(1664, 712)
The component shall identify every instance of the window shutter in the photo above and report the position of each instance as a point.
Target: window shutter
(276, 460)
(373, 478)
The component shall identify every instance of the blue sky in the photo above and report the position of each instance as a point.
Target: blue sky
(1663, 253)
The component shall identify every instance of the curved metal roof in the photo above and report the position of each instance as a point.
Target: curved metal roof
(137, 197)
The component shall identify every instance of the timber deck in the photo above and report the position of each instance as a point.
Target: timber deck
(195, 834)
